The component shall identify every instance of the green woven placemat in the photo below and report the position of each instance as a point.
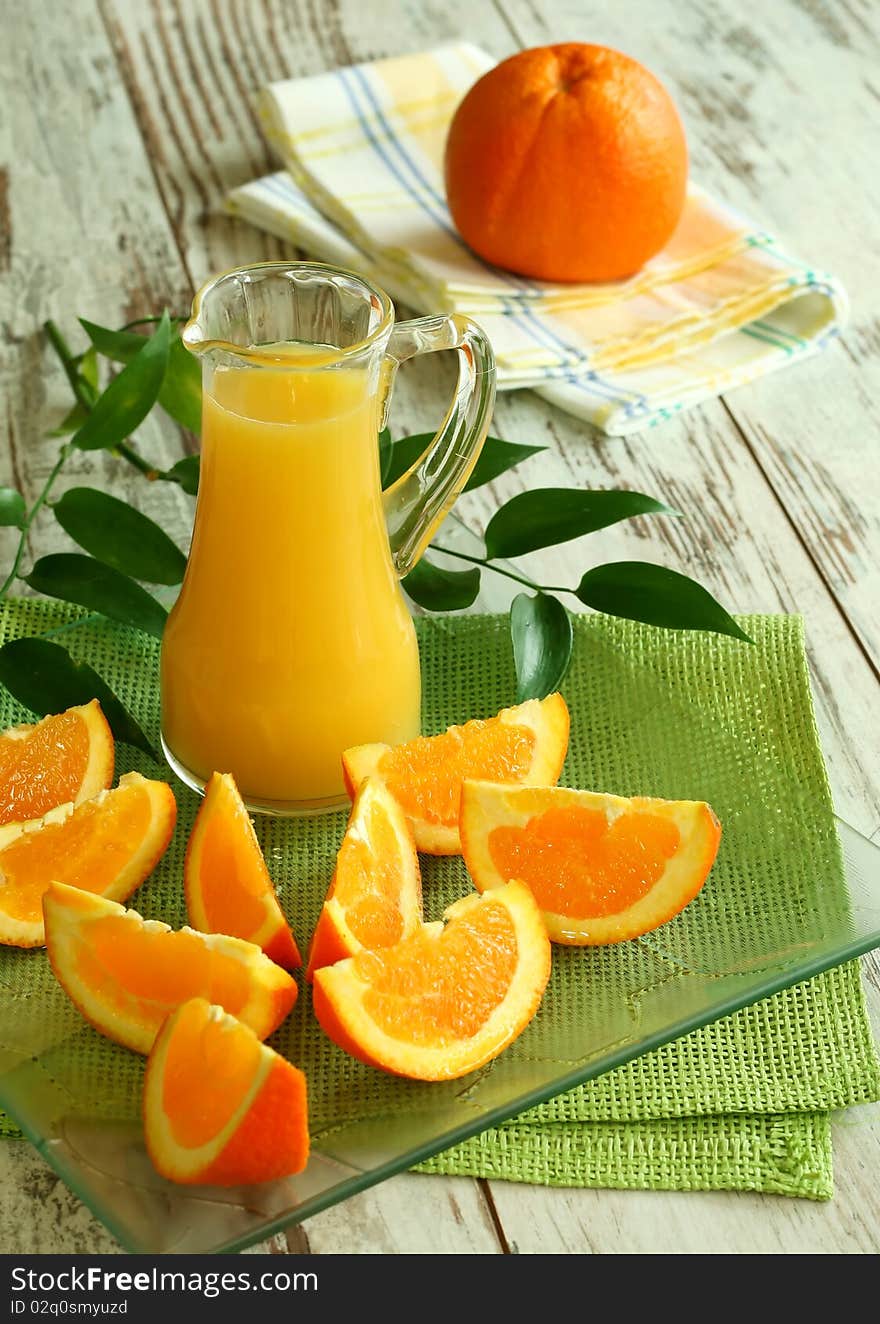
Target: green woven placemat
(741, 1103)
(784, 1154)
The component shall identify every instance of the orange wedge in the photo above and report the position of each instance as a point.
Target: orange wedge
(107, 845)
(66, 757)
(375, 897)
(523, 746)
(601, 868)
(220, 1108)
(447, 999)
(227, 884)
(126, 974)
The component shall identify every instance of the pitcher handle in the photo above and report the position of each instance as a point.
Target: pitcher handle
(418, 502)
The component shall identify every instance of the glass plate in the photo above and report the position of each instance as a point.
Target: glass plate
(758, 930)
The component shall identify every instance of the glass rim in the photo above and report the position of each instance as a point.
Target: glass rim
(196, 344)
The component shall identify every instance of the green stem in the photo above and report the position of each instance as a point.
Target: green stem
(499, 570)
(80, 388)
(127, 452)
(86, 397)
(31, 516)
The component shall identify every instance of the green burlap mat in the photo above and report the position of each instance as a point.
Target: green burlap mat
(741, 1103)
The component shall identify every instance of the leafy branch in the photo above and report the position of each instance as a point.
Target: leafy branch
(124, 554)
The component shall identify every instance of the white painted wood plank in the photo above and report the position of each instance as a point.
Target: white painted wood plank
(194, 80)
(85, 234)
(39, 1215)
(410, 1214)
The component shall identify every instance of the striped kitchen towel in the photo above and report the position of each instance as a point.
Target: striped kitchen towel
(363, 187)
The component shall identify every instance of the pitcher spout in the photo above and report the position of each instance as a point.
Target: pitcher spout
(269, 305)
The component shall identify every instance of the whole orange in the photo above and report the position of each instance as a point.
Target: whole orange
(567, 163)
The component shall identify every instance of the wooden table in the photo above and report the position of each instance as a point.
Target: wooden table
(124, 122)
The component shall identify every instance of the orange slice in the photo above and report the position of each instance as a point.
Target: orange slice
(375, 896)
(66, 757)
(523, 746)
(220, 1108)
(126, 973)
(447, 999)
(601, 868)
(227, 884)
(107, 845)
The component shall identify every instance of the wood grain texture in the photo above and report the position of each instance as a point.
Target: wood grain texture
(86, 235)
(115, 153)
(39, 1214)
(409, 1214)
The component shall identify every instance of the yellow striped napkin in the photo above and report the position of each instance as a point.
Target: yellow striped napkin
(363, 187)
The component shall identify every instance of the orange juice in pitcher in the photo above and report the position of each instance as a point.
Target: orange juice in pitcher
(291, 640)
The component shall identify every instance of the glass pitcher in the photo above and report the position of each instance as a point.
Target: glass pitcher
(291, 640)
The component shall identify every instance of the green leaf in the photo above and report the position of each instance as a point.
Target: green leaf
(495, 458)
(12, 508)
(639, 591)
(88, 369)
(181, 392)
(542, 636)
(442, 590)
(119, 535)
(129, 397)
(185, 473)
(386, 451)
(72, 421)
(551, 515)
(404, 453)
(89, 583)
(44, 677)
(120, 346)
